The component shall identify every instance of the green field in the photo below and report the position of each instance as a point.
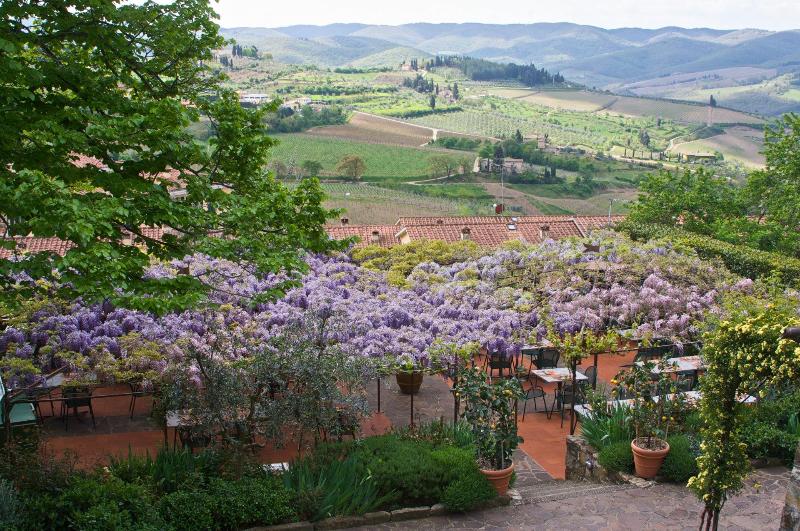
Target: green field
(383, 162)
(368, 204)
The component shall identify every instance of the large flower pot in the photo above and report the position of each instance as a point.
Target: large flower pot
(409, 382)
(499, 478)
(648, 462)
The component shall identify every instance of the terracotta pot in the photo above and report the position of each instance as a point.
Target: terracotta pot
(648, 462)
(499, 478)
(409, 382)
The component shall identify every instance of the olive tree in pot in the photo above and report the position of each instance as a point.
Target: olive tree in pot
(651, 413)
(490, 411)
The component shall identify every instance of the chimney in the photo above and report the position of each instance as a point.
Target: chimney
(544, 232)
(376, 236)
(465, 233)
(439, 222)
(344, 221)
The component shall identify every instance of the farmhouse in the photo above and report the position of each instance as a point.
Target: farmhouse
(507, 165)
(702, 158)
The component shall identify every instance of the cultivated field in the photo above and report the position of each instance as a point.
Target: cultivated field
(383, 161)
(374, 129)
(366, 204)
(680, 112)
(587, 101)
(738, 144)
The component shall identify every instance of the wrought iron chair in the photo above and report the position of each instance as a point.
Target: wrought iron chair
(548, 359)
(74, 398)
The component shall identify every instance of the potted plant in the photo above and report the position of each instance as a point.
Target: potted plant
(490, 411)
(651, 413)
(409, 375)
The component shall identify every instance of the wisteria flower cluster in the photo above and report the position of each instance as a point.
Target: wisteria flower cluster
(496, 301)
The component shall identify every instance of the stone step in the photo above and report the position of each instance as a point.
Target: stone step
(559, 490)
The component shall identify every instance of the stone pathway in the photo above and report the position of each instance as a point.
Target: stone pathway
(592, 506)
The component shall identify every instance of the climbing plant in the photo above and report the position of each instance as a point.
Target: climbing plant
(746, 355)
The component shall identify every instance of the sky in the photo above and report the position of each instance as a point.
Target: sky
(723, 14)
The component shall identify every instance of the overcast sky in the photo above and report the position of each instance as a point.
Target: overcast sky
(725, 14)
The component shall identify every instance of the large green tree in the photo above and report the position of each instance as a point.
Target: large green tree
(763, 214)
(120, 83)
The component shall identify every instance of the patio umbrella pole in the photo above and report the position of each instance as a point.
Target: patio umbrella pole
(412, 410)
(379, 394)
(572, 397)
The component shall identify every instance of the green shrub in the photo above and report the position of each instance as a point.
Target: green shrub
(439, 433)
(617, 457)
(96, 499)
(104, 515)
(188, 511)
(171, 470)
(745, 261)
(768, 440)
(405, 468)
(334, 488)
(10, 506)
(468, 492)
(249, 502)
(604, 430)
(681, 462)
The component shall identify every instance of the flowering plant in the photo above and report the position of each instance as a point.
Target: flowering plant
(491, 412)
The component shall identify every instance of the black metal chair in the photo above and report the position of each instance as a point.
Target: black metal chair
(499, 362)
(591, 374)
(564, 397)
(535, 392)
(548, 359)
(74, 398)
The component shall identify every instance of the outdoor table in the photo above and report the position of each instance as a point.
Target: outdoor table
(585, 410)
(558, 376)
(681, 364)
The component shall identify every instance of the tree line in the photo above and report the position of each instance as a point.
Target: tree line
(483, 70)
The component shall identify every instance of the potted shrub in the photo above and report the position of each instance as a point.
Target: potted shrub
(651, 418)
(490, 412)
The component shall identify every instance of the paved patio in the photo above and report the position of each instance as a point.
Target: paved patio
(660, 507)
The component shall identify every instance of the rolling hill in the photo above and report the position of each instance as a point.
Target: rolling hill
(595, 57)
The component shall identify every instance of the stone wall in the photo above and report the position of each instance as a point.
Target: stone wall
(791, 511)
(582, 461)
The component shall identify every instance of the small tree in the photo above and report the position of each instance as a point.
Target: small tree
(442, 165)
(352, 167)
(746, 355)
(518, 137)
(311, 168)
(432, 102)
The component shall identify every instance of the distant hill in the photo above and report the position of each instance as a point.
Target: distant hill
(593, 56)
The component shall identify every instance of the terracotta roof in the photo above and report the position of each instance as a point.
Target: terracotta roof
(589, 223)
(493, 234)
(385, 234)
(33, 244)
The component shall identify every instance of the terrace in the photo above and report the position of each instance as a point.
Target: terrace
(281, 382)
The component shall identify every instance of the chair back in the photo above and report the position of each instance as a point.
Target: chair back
(77, 396)
(653, 353)
(591, 374)
(499, 361)
(548, 359)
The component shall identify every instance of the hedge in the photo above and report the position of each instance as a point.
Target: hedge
(745, 261)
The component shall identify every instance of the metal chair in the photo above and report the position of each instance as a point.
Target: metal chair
(591, 373)
(16, 411)
(548, 359)
(534, 393)
(499, 362)
(566, 394)
(73, 398)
